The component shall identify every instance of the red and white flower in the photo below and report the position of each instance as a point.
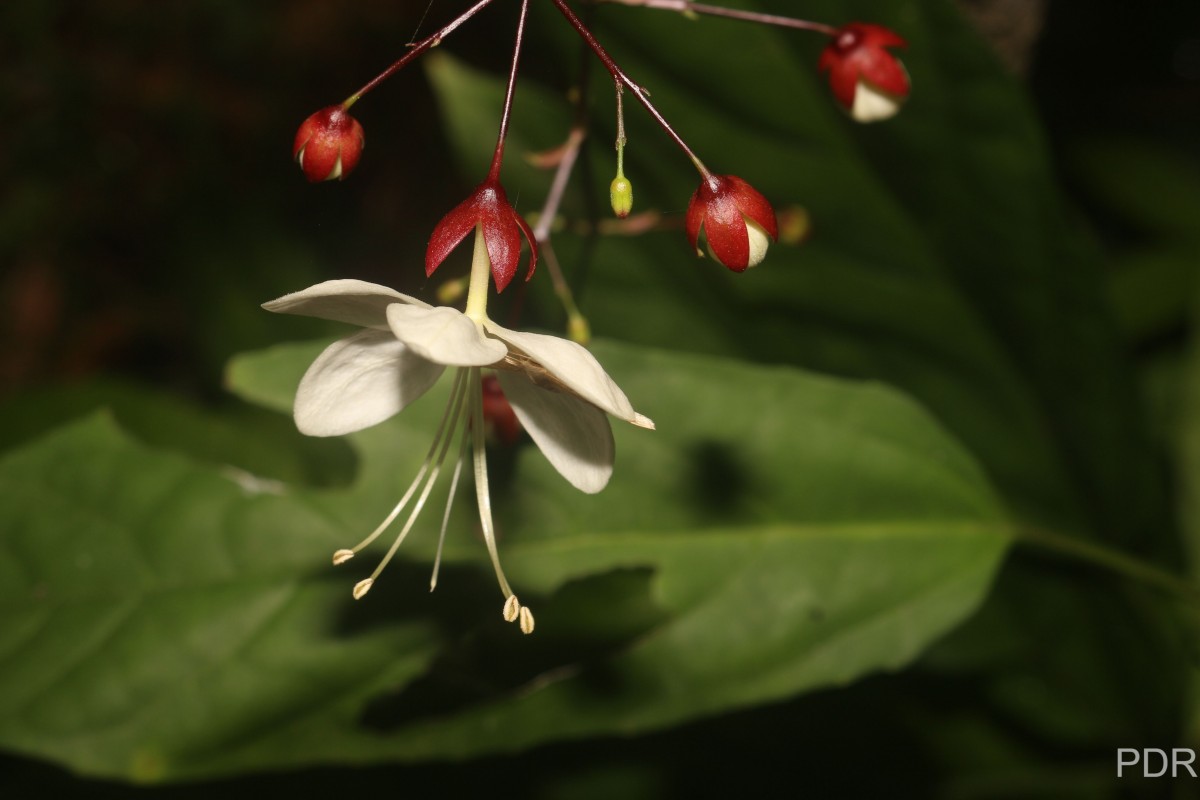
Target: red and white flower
(556, 388)
(737, 221)
(867, 80)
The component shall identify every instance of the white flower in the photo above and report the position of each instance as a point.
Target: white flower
(560, 393)
(556, 387)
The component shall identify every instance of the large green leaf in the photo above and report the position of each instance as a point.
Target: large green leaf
(942, 260)
(779, 532)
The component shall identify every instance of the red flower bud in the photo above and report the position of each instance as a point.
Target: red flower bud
(502, 226)
(498, 414)
(328, 144)
(738, 222)
(867, 80)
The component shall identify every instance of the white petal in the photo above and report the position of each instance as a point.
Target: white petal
(444, 335)
(572, 364)
(759, 241)
(574, 436)
(356, 302)
(872, 104)
(360, 381)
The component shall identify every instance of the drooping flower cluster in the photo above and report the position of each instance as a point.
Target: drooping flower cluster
(866, 79)
(507, 380)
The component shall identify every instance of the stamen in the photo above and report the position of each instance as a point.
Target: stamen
(362, 587)
(437, 438)
(512, 607)
(457, 404)
(342, 556)
(481, 478)
(437, 559)
(526, 620)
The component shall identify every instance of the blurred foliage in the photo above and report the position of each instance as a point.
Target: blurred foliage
(1019, 276)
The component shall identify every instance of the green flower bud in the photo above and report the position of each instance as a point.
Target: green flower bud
(620, 192)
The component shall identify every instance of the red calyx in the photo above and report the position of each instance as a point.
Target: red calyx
(498, 414)
(488, 207)
(857, 51)
(721, 205)
(328, 144)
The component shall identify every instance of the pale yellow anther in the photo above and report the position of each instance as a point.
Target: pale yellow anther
(512, 608)
(342, 556)
(362, 587)
(526, 620)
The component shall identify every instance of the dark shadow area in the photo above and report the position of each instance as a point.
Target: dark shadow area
(402, 594)
(830, 744)
(580, 627)
(718, 480)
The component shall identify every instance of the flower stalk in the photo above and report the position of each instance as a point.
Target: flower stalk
(621, 79)
(688, 7)
(415, 51)
(498, 155)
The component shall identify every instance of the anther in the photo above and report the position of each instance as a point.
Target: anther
(512, 607)
(526, 620)
(362, 587)
(342, 556)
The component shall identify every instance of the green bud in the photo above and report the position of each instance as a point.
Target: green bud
(620, 192)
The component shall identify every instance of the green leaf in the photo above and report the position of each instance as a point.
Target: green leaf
(941, 260)
(239, 438)
(779, 532)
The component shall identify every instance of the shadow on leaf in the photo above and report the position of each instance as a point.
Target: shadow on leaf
(579, 628)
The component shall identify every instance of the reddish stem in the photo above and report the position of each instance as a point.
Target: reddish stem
(621, 78)
(498, 156)
(732, 13)
(416, 50)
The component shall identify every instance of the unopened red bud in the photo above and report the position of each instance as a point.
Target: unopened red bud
(867, 80)
(737, 221)
(328, 145)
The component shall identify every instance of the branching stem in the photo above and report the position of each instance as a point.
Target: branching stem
(688, 7)
(621, 79)
(417, 49)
